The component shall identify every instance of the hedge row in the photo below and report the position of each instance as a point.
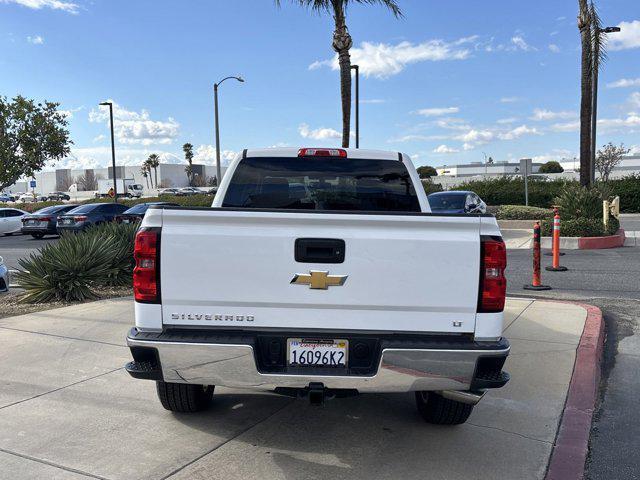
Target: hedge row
(521, 212)
(581, 227)
(190, 201)
(510, 191)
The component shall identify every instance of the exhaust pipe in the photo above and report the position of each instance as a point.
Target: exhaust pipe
(468, 397)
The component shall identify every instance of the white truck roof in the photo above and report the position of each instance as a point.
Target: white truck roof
(293, 152)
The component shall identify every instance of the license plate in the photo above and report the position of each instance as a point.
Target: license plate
(30, 222)
(67, 221)
(313, 352)
(126, 220)
(43, 224)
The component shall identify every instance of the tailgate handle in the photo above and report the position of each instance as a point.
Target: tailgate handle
(319, 250)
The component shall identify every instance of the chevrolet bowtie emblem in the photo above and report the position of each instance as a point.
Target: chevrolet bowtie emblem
(319, 280)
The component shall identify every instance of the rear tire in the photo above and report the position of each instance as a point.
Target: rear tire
(436, 409)
(37, 236)
(184, 397)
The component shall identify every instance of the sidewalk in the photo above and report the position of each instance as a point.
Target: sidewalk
(69, 411)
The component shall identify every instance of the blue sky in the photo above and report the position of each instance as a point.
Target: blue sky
(448, 83)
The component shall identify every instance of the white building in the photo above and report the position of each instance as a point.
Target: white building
(168, 175)
(474, 169)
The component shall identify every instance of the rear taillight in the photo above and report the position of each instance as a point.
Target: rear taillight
(493, 283)
(322, 152)
(146, 274)
(79, 218)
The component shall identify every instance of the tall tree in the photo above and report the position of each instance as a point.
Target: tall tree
(154, 162)
(609, 158)
(586, 90)
(342, 43)
(187, 148)
(144, 171)
(30, 135)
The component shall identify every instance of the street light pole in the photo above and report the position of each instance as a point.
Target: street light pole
(594, 109)
(113, 152)
(357, 69)
(217, 127)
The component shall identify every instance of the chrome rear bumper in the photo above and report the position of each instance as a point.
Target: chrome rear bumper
(235, 365)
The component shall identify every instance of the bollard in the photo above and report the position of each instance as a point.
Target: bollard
(551, 253)
(556, 245)
(536, 283)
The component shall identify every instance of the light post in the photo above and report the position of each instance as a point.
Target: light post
(357, 69)
(215, 102)
(113, 151)
(594, 108)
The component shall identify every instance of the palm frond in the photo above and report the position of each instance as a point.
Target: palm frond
(330, 5)
(598, 39)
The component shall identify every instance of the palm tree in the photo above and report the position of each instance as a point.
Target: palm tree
(586, 91)
(342, 42)
(154, 162)
(145, 173)
(187, 148)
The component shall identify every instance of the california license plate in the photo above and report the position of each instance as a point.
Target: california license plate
(314, 352)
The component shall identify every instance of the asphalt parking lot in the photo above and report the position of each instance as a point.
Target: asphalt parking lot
(18, 246)
(69, 411)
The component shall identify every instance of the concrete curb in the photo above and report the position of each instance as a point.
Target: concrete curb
(571, 447)
(587, 243)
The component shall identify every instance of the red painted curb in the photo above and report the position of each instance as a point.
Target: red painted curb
(592, 243)
(572, 443)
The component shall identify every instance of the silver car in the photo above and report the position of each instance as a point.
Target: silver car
(4, 277)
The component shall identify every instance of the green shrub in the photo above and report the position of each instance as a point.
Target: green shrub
(551, 167)
(628, 189)
(581, 227)
(430, 187)
(578, 202)
(510, 190)
(520, 212)
(32, 207)
(75, 266)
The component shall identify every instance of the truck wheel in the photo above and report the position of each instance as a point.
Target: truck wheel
(436, 409)
(37, 236)
(183, 397)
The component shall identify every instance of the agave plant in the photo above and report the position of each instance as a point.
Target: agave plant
(74, 267)
(579, 203)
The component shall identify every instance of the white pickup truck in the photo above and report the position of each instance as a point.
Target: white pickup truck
(320, 273)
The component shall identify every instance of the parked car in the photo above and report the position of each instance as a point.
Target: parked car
(57, 196)
(352, 284)
(187, 191)
(5, 281)
(43, 222)
(455, 201)
(11, 220)
(84, 216)
(211, 191)
(5, 198)
(136, 213)
(27, 198)
(169, 191)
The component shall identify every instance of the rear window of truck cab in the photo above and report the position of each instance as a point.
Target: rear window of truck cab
(322, 183)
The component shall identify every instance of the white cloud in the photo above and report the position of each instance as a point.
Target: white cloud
(504, 121)
(625, 83)
(518, 43)
(382, 60)
(206, 154)
(318, 133)
(417, 138)
(510, 99)
(634, 100)
(631, 121)
(476, 136)
(37, 40)
(68, 114)
(436, 112)
(554, 48)
(373, 100)
(452, 124)
(52, 4)
(540, 114)
(628, 37)
(517, 133)
(566, 127)
(137, 127)
(99, 138)
(445, 149)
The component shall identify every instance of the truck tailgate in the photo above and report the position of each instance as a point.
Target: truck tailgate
(405, 273)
